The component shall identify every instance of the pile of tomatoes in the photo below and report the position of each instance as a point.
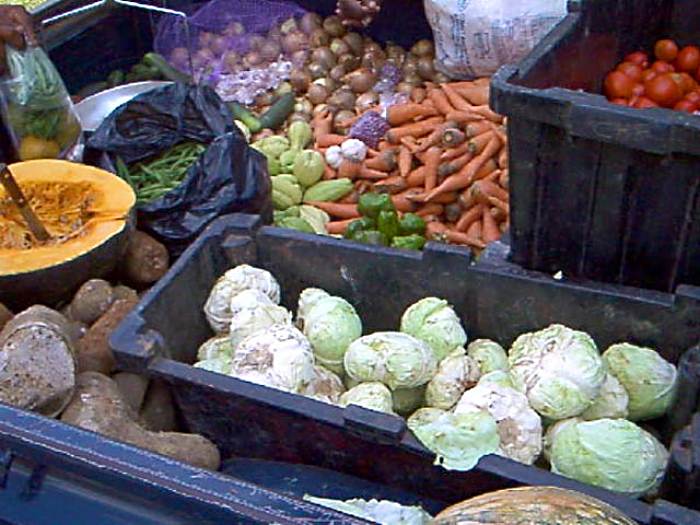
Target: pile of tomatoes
(671, 81)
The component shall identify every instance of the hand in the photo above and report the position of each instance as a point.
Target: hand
(16, 29)
(357, 13)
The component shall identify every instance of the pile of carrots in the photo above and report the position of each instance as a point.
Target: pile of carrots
(445, 158)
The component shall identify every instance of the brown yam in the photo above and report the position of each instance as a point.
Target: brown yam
(124, 292)
(99, 406)
(132, 388)
(91, 301)
(94, 353)
(37, 353)
(146, 260)
(158, 412)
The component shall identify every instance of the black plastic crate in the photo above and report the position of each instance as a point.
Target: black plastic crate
(494, 298)
(52, 473)
(597, 190)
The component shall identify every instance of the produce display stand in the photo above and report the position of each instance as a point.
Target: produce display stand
(598, 190)
(494, 299)
(56, 474)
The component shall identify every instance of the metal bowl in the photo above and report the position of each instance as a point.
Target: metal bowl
(94, 109)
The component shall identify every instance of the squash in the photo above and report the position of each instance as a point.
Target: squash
(528, 505)
(88, 213)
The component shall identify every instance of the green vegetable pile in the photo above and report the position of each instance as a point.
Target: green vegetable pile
(154, 178)
(552, 398)
(380, 224)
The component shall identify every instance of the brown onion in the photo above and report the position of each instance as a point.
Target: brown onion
(339, 47)
(373, 60)
(324, 56)
(404, 87)
(255, 42)
(293, 42)
(423, 48)
(317, 94)
(361, 80)
(317, 70)
(288, 26)
(218, 45)
(299, 117)
(410, 65)
(231, 61)
(205, 39)
(270, 50)
(395, 52)
(205, 55)
(330, 84)
(320, 108)
(234, 29)
(441, 78)
(425, 68)
(349, 62)
(337, 73)
(303, 105)
(342, 99)
(274, 33)
(354, 40)
(333, 26)
(319, 38)
(413, 79)
(367, 100)
(252, 59)
(300, 58)
(373, 46)
(300, 80)
(309, 22)
(180, 57)
(342, 117)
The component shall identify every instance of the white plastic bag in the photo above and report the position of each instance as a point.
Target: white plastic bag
(473, 38)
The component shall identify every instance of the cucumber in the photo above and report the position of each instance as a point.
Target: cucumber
(245, 116)
(169, 72)
(274, 117)
(92, 89)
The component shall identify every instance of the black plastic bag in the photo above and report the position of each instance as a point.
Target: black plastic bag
(228, 177)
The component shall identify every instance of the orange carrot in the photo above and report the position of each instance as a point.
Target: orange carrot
(383, 145)
(455, 237)
(455, 165)
(435, 230)
(501, 205)
(349, 169)
(464, 117)
(330, 139)
(405, 161)
(328, 173)
(453, 137)
(322, 124)
(486, 112)
(479, 143)
(474, 229)
(369, 174)
(430, 209)
(468, 217)
(445, 198)
(385, 161)
(338, 227)
(416, 177)
(442, 104)
(490, 231)
(350, 198)
(474, 94)
(404, 113)
(483, 189)
(498, 130)
(477, 128)
(403, 203)
(393, 184)
(459, 103)
(466, 199)
(465, 176)
(503, 179)
(455, 152)
(503, 226)
(485, 170)
(432, 163)
(435, 137)
(363, 186)
(503, 158)
(334, 209)
(498, 214)
(416, 129)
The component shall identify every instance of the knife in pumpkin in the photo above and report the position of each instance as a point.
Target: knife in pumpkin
(17, 196)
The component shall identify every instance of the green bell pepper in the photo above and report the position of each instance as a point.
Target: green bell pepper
(409, 242)
(370, 204)
(411, 223)
(372, 237)
(358, 226)
(388, 223)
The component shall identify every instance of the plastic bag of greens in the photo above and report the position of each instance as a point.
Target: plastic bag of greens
(37, 109)
(228, 177)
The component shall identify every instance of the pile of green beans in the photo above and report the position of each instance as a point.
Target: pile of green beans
(154, 178)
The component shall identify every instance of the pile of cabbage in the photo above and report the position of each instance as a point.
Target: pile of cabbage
(553, 399)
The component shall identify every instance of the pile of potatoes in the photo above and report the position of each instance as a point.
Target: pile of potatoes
(59, 364)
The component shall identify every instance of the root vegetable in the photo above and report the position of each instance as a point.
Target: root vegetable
(343, 119)
(98, 406)
(317, 94)
(423, 48)
(294, 42)
(319, 37)
(425, 68)
(132, 388)
(333, 26)
(366, 101)
(342, 99)
(5, 315)
(300, 80)
(361, 80)
(339, 47)
(324, 56)
(337, 73)
(146, 259)
(91, 301)
(94, 352)
(317, 70)
(354, 41)
(349, 62)
(37, 352)
(310, 22)
(158, 411)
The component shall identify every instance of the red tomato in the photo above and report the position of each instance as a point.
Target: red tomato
(688, 83)
(644, 103)
(664, 90)
(666, 50)
(648, 74)
(619, 101)
(688, 59)
(638, 57)
(694, 97)
(685, 105)
(638, 90)
(618, 85)
(662, 67)
(631, 70)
